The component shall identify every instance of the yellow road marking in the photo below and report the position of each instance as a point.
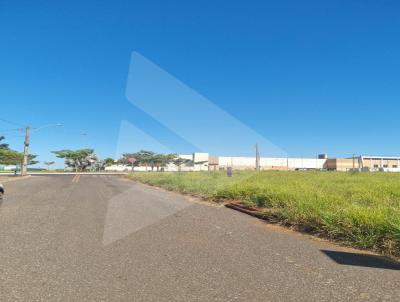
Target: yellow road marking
(76, 178)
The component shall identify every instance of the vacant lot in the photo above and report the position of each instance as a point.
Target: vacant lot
(361, 209)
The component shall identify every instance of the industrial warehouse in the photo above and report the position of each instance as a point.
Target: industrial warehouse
(199, 161)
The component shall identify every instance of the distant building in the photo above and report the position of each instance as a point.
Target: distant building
(268, 163)
(366, 163)
(205, 162)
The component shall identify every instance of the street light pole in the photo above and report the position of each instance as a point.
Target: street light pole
(25, 160)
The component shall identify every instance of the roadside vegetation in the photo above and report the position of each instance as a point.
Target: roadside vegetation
(150, 159)
(12, 157)
(359, 209)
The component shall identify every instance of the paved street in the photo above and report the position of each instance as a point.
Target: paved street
(102, 238)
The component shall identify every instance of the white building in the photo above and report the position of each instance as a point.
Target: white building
(270, 163)
(204, 162)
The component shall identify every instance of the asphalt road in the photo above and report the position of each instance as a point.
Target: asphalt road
(101, 238)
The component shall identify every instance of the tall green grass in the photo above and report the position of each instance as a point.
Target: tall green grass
(361, 209)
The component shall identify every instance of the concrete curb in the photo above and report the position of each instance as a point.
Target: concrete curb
(251, 211)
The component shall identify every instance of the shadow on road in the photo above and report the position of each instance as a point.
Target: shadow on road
(365, 260)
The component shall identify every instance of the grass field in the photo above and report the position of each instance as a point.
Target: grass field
(360, 209)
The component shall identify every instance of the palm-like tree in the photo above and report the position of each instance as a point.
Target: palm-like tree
(48, 164)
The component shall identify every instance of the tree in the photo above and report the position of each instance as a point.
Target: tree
(7, 156)
(147, 159)
(143, 158)
(109, 161)
(80, 159)
(2, 145)
(179, 161)
(98, 165)
(163, 160)
(10, 157)
(159, 160)
(124, 160)
(48, 164)
(31, 159)
(155, 161)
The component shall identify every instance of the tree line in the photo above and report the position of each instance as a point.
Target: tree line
(80, 160)
(86, 159)
(152, 159)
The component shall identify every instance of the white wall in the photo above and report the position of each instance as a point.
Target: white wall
(270, 162)
(118, 168)
(227, 161)
(200, 157)
(306, 163)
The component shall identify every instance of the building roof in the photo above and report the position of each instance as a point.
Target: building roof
(381, 157)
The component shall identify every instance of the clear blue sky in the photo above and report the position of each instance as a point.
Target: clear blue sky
(310, 76)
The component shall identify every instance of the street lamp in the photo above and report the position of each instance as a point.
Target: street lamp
(46, 126)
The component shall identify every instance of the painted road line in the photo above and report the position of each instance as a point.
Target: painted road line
(76, 178)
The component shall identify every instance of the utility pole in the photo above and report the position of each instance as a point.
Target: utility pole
(257, 158)
(24, 168)
(354, 161)
(25, 160)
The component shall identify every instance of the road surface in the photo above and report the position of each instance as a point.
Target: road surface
(102, 238)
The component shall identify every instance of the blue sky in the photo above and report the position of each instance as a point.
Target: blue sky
(310, 76)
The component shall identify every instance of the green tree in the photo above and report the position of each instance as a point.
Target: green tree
(148, 159)
(163, 160)
(78, 159)
(48, 164)
(145, 158)
(142, 157)
(2, 145)
(124, 160)
(10, 157)
(178, 161)
(109, 161)
(31, 159)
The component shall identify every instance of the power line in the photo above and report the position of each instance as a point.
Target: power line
(11, 130)
(10, 122)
